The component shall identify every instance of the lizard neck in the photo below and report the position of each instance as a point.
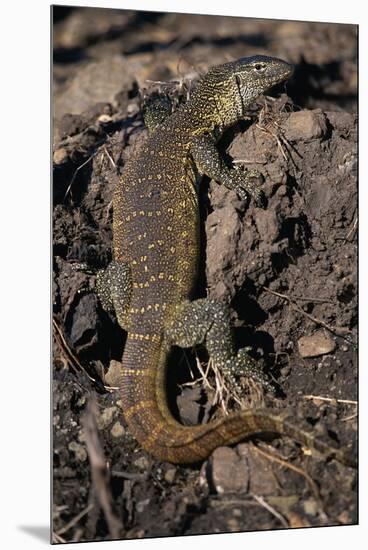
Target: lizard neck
(214, 106)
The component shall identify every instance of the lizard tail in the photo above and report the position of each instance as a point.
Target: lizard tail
(150, 421)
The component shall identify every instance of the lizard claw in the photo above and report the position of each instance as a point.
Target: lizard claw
(248, 183)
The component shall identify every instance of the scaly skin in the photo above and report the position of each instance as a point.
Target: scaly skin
(156, 246)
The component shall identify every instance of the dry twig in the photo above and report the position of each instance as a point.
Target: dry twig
(70, 357)
(340, 331)
(99, 471)
(286, 464)
(109, 157)
(331, 399)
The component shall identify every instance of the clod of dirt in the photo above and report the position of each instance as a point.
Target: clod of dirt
(227, 472)
(73, 124)
(84, 27)
(262, 479)
(97, 82)
(84, 323)
(192, 407)
(318, 343)
(142, 463)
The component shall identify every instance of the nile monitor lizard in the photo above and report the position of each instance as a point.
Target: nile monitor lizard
(156, 248)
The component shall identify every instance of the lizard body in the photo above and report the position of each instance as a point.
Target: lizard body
(156, 248)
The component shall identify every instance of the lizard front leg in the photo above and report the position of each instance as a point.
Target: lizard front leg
(155, 110)
(208, 321)
(114, 286)
(208, 161)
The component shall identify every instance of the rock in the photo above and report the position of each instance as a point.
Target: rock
(310, 507)
(227, 472)
(318, 343)
(305, 125)
(113, 374)
(141, 463)
(60, 156)
(106, 417)
(170, 475)
(233, 525)
(142, 505)
(117, 430)
(79, 451)
(190, 407)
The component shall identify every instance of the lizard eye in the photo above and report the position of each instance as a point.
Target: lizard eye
(258, 67)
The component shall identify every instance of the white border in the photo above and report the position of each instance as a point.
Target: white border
(25, 273)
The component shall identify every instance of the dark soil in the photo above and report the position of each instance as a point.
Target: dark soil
(288, 269)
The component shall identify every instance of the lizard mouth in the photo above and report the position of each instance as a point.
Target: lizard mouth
(273, 82)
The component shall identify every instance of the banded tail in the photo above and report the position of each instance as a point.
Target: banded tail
(143, 393)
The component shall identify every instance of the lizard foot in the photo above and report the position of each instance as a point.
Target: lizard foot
(244, 365)
(247, 183)
(208, 321)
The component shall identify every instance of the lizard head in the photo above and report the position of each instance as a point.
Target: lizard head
(255, 75)
(233, 86)
(222, 96)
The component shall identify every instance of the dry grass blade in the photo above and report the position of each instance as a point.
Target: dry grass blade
(57, 539)
(109, 157)
(276, 138)
(77, 170)
(268, 124)
(74, 521)
(214, 381)
(272, 510)
(350, 417)
(352, 231)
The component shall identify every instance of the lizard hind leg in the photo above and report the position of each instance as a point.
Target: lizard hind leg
(113, 286)
(208, 321)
